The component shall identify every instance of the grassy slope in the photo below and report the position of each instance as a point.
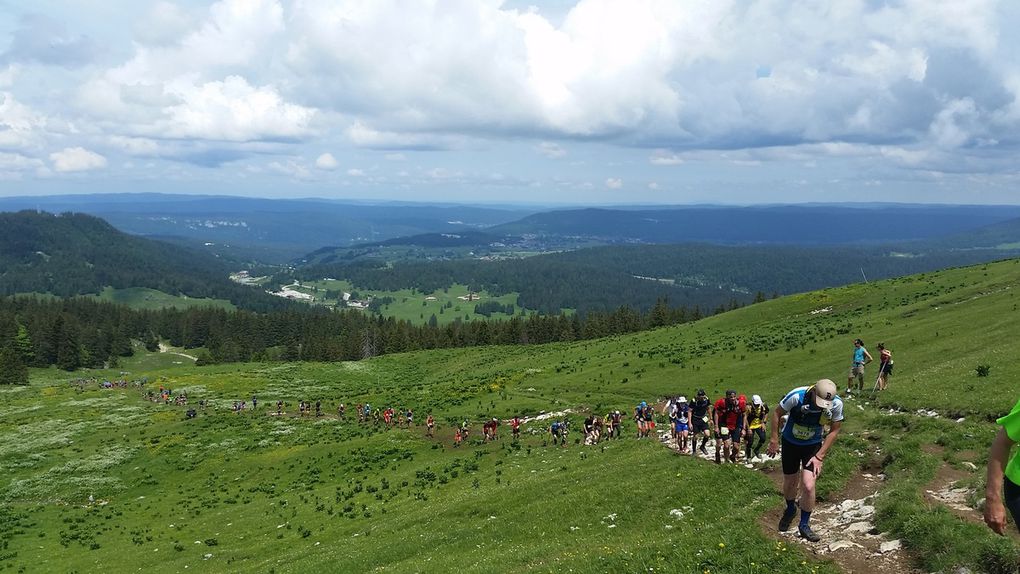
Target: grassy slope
(149, 299)
(262, 493)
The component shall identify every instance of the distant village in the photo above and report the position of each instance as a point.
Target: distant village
(294, 292)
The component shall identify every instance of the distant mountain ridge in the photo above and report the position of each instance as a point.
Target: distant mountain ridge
(790, 224)
(76, 254)
(269, 230)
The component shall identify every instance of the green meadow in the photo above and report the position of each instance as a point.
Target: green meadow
(106, 480)
(448, 305)
(151, 299)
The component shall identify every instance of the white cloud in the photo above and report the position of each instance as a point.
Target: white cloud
(233, 110)
(653, 185)
(395, 157)
(326, 161)
(76, 159)
(354, 172)
(15, 163)
(551, 150)
(290, 168)
(165, 24)
(8, 75)
(20, 126)
(614, 183)
(665, 157)
(142, 147)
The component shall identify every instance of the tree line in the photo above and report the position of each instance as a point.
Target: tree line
(80, 332)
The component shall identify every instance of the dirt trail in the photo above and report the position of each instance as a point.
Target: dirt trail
(164, 348)
(849, 536)
(945, 490)
(846, 525)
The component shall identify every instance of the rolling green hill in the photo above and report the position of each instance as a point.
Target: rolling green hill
(76, 254)
(253, 491)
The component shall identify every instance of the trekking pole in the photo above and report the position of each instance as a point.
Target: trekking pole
(878, 379)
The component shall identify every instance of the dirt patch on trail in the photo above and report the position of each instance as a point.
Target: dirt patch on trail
(849, 536)
(947, 491)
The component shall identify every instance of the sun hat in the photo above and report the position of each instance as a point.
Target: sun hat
(682, 399)
(825, 392)
(755, 399)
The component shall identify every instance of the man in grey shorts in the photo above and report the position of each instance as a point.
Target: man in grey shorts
(861, 357)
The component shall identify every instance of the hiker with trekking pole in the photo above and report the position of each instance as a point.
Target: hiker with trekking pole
(885, 367)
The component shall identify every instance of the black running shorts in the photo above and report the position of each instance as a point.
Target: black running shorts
(796, 456)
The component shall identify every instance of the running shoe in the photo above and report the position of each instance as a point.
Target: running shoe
(786, 521)
(808, 534)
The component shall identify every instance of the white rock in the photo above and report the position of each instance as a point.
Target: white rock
(890, 546)
(970, 465)
(960, 420)
(858, 528)
(841, 544)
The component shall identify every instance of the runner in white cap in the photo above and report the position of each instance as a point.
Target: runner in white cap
(757, 414)
(805, 445)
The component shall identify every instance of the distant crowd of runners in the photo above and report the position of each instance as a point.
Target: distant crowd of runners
(800, 419)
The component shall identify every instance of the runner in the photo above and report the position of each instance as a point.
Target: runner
(699, 421)
(805, 446)
(885, 366)
(410, 418)
(729, 418)
(254, 402)
(279, 406)
(515, 427)
(649, 416)
(341, 411)
(457, 437)
(558, 430)
(1003, 481)
(589, 430)
(430, 425)
(681, 423)
(489, 429)
(756, 414)
(670, 410)
(318, 408)
(639, 418)
(861, 357)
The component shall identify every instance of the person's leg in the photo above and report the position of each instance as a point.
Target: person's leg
(761, 440)
(1011, 499)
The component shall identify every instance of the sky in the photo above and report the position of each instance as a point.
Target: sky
(489, 101)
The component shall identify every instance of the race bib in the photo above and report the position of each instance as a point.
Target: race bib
(724, 431)
(705, 419)
(801, 432)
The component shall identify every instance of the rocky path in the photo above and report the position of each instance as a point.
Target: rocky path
(849, 536)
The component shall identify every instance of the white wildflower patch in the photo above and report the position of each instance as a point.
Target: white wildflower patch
(74, 480)
(39, 436)
(101, 401)
(11, 411)
(679, 513)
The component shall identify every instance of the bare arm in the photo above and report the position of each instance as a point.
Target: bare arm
(867, 357)
(777, 415)
(829, 439)
(995, 512)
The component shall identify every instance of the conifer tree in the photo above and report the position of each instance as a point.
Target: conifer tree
(12, 370)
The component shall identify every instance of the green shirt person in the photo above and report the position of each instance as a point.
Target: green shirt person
(1003, 490)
